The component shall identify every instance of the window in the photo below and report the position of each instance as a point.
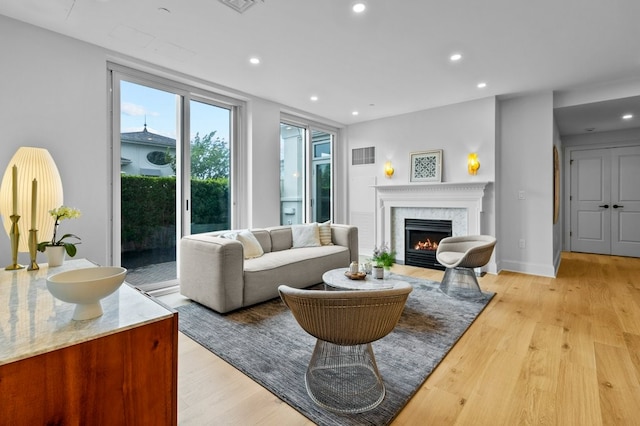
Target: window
(306, 173)
(159, 158)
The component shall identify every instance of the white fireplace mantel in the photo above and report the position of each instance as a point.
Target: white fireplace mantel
(467, 195)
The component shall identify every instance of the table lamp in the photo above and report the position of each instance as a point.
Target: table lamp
(31, 186)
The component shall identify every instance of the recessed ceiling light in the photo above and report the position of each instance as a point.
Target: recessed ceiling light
(627, 116)
(355, 113)
(254, 60)
(482, 85)
(359, 7)
(314, 98)
(455, 57)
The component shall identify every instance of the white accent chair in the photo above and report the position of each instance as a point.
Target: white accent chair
(342, 375)
(460, 255)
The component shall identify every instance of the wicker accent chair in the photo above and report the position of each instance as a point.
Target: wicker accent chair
(460, 255)
(342, 375)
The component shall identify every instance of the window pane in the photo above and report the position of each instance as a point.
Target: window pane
(292, 174)
(210, 167)
(321, 185)
(148, 182)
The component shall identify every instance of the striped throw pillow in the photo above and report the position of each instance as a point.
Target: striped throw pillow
(325, 233)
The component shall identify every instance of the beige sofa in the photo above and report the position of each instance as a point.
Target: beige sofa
(215, 273)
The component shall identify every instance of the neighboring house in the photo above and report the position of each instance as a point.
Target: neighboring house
(145, 153)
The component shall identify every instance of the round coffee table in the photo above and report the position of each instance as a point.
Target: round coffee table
(336, 278)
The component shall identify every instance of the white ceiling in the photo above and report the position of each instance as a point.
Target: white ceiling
(389, 60)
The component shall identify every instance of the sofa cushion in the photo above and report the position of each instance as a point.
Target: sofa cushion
(263, 236)
(298, 268)
(280, 238)
(307, 235)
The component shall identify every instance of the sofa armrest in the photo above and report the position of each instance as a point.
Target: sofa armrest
(211, 271)
(347, 236)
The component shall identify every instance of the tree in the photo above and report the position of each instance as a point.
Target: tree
(209, 157)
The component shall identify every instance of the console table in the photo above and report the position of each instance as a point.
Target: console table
(119, 368)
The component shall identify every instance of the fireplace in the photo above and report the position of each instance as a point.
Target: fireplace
(422, 237)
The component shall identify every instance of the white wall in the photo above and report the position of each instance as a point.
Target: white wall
(456, 129)
(54, 96)
(526, 151)
(263, 171)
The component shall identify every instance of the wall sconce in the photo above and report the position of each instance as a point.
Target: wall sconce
(388, 169)
(31, 186)
(473, 164)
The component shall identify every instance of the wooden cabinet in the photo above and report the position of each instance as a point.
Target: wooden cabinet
(123, 375)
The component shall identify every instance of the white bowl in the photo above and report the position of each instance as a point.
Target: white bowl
(85, 287)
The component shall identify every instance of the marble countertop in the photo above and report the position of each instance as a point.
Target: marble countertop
(33, 322)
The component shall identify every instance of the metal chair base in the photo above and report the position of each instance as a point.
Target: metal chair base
(460, 282)
(344, 379)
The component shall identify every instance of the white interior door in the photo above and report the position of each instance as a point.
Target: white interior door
(605, 201)
(625, 198)
(590, 201)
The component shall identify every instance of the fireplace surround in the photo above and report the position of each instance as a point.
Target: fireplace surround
(460, 202)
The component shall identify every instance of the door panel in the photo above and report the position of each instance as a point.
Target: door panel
(625, 198)
(590, 203)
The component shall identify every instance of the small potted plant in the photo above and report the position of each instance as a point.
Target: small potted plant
(56, 247)
(383, 258)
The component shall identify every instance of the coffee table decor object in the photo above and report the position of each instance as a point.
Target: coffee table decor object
(356, 276)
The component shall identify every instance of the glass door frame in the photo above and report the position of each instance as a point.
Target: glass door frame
(116, 73)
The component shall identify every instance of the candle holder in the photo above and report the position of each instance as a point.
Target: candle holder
(14, 234)
(33, 249)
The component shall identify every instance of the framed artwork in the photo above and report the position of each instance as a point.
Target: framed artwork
(426, 166)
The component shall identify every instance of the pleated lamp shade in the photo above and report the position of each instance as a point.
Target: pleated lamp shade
(31, 163)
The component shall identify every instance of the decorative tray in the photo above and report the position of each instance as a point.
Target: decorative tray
(356, 276)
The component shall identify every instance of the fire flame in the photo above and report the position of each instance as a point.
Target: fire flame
(426, 245)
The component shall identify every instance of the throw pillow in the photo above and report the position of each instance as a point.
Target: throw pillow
(250, 244)
(307, 235)
(325, 233)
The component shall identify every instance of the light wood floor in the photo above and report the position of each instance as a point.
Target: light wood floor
(563, 351)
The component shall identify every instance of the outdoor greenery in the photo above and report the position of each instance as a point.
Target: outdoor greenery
(210, 158)
(149, 209)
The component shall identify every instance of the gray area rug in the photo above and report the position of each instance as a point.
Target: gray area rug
(266, 343)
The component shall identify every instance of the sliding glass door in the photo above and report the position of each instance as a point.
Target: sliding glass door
(174, 174)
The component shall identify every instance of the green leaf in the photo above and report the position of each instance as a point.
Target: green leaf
(70, 249)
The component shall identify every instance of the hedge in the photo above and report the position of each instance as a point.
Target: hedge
(148, 209)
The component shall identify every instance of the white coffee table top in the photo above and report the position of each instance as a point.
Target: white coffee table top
(336, 278)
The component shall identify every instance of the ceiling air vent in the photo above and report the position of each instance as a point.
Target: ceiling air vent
(239, 5)
(363, 155)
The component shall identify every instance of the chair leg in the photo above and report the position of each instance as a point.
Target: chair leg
(344, 379)
(460, 282)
